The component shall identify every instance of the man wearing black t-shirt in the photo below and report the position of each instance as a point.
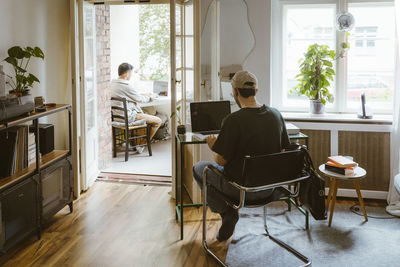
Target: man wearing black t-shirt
(253, 130)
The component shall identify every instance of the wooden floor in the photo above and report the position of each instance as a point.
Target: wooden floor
(120, 225)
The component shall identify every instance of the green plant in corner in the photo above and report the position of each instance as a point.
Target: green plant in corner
(19, 58)
(316, 74)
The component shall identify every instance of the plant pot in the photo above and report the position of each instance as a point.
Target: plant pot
(181, 129)
(316, 107)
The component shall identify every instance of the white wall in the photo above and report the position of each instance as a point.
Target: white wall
(258, 61)
(124, 36)
(43, 23)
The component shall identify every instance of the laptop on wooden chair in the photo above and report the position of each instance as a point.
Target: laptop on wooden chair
(206, 117)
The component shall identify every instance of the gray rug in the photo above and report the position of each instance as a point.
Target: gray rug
(348, 242)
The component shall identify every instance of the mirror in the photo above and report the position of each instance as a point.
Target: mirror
(226, 41)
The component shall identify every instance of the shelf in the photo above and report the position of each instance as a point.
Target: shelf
(32, 116)
(45, 161)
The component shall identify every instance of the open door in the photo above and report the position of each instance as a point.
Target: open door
(183, 60)
(88, 94)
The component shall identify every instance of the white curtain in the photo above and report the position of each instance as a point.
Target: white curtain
(393, 197)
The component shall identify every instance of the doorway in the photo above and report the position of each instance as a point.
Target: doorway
(138, 35)
(176, 74)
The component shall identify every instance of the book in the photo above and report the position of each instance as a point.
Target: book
(8, 141)
(339, 170)
(342, 161)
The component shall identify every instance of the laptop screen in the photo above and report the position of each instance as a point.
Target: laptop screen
(208, 116)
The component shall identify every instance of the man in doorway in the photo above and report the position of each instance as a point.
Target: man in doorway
(253, 130)
(122, 88)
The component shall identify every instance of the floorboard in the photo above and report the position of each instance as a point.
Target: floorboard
(117, 224)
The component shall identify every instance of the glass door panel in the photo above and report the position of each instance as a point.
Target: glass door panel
(89, 149)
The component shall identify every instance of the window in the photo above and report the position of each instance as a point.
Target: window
(368, 66)
(300, 31)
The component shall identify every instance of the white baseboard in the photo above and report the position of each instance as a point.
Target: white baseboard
(365, 193)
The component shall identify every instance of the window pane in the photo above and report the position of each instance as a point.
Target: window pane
(300, 31)
(371, 56)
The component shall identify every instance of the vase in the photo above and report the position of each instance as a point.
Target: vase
(181, 129)
(316, 107)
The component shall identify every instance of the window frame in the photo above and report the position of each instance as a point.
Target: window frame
(278, 16)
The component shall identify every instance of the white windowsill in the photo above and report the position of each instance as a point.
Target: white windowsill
(336, 118)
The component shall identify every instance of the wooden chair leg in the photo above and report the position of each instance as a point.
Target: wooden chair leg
(360, 199)
(114, 142)
(148, 140)
(126, 145)
(333, 201)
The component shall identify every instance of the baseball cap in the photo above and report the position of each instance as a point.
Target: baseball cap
(244, 79)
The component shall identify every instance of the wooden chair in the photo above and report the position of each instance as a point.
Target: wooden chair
(125, 132)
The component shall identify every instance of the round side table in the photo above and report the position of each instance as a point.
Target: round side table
(334, 178)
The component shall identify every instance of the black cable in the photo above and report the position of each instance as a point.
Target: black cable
(356, 210)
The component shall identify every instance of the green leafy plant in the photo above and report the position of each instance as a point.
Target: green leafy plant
(316, 73)
(19, 58)
(176, 113)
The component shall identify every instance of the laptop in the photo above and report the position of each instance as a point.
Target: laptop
(206, 117)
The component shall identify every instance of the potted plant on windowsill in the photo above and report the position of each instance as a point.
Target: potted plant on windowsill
(181, 128)
(316, 74)
(23, 81)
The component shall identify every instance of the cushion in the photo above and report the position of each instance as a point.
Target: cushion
(134, 123)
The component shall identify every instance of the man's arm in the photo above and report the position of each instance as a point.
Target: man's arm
(217, 157)
(134, 96)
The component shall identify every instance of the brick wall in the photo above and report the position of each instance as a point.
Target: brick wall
(103, 82)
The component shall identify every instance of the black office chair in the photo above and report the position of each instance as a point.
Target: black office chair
(259, 175)
(125, 132)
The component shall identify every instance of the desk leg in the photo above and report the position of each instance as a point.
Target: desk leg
(181, 189)
(333, 201)
(360, 199)
(176, 177)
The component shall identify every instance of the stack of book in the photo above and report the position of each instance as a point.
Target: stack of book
(18, 150)
(341, 165)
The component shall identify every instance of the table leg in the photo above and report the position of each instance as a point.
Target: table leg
(181, 189)
(360, 199)
(176, 177)
(328, 199)
(333, 201)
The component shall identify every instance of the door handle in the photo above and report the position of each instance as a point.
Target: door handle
(178, 81)
(203, 83)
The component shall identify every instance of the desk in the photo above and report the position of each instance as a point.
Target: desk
(187, 139)
(160, 101)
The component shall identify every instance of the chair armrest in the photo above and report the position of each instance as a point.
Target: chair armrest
(221, 175)
(292, 146)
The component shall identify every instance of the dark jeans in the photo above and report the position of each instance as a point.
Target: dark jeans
(215, 201)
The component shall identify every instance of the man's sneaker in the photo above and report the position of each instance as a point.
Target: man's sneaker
(139, 149)
(229, 220)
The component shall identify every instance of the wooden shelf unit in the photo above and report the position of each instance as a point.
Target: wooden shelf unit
(45, 161)
(31, 196)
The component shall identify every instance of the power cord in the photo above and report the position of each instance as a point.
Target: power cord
(356, 210)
